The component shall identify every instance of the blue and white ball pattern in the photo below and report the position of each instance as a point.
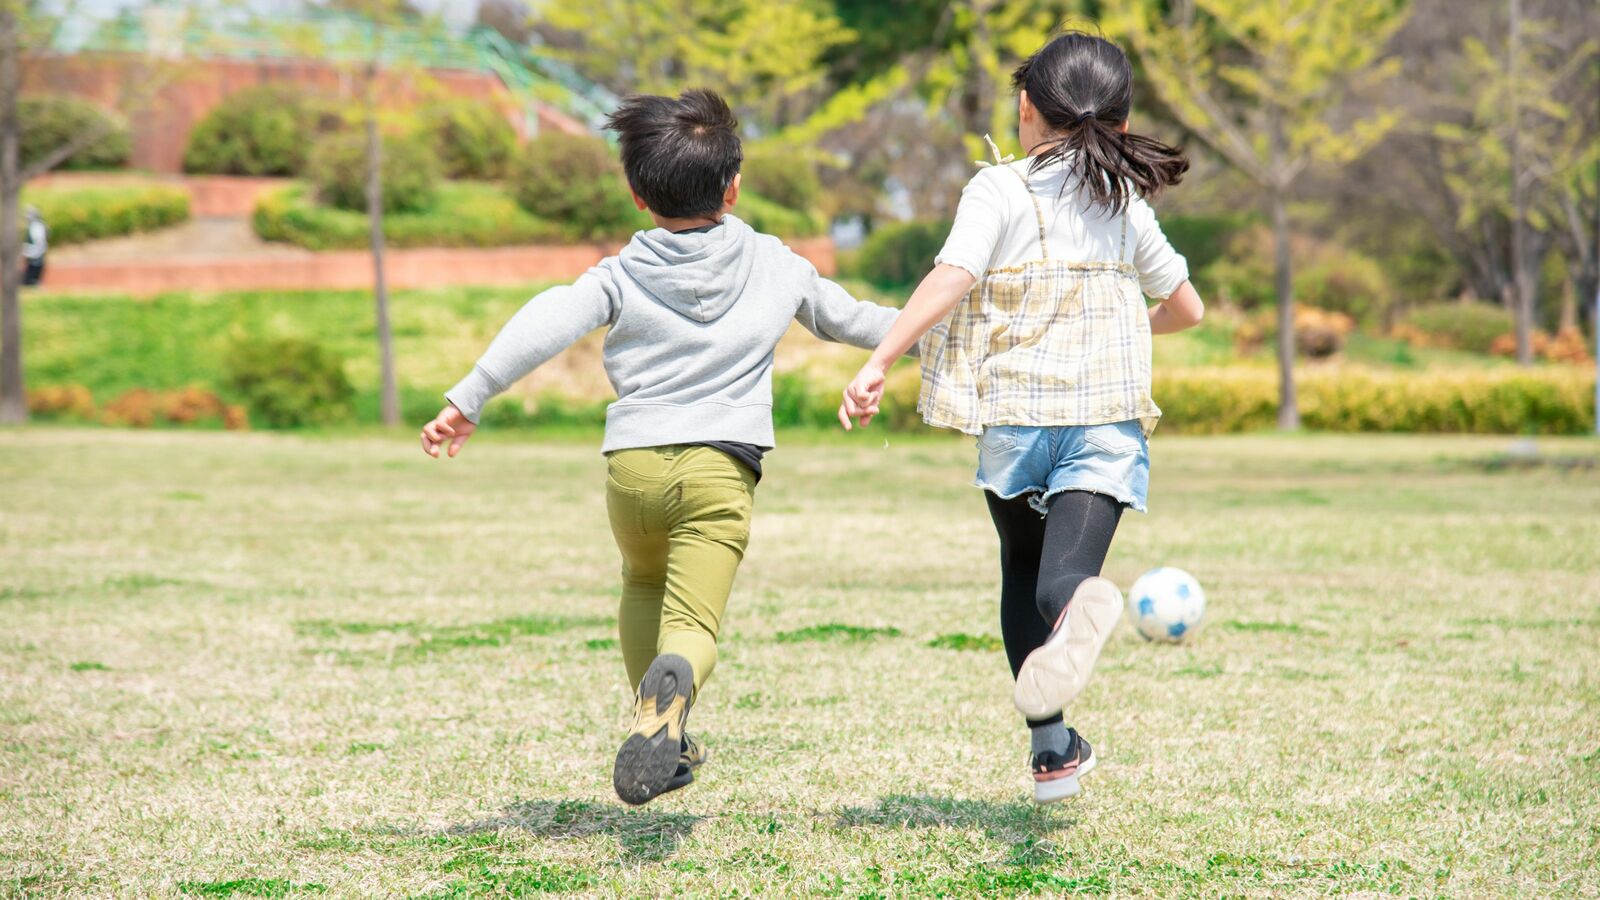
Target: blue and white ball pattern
(1166, 605)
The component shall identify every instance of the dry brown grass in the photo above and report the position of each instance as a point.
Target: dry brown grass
(257, 665)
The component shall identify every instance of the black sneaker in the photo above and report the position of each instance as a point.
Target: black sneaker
(647, 762)
(689, 758)
(1055, 775)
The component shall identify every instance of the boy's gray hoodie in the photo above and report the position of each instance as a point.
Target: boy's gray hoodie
(694, 320)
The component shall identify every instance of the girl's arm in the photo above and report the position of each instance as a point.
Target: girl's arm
(929, 304)
(1183, 309)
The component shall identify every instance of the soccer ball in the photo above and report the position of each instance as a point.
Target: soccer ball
(1166, 605)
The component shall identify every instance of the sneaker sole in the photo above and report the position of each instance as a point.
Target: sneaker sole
(1059, 789)
(1053, 675)
(648, 759)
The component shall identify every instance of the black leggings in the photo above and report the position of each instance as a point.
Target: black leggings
(1044, 559)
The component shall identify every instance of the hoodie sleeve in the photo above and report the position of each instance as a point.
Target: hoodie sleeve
(831, 313)
(549, 323)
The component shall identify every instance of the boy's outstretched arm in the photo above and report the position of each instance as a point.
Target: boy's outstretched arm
(831, 313)
(546, 325)
(932, 301)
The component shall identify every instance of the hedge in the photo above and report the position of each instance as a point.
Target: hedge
(899, 254)
(765, 215)
(471, 138)
(463, 214)
(1223, 400)
(78, 214)
(408, 177)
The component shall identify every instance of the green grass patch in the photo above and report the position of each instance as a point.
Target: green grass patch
(432, 639)
(962, 641)
(835, 632)
(536, 878)
(462, 214)
(1270, 627)
(249, 887)
(89, 667)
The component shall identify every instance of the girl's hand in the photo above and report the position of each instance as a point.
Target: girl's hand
(863, 397)
(449, 425)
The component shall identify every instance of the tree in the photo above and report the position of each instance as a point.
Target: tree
(1268, 85)
(763, 56)
(1512, 147)
(24, 25)
(359, 41)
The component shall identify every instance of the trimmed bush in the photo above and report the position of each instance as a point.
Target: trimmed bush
(472, 139)
(193, 405)
(337, 168)
(289, 382)
(1458, 326)
(1214, 401)
(78, 214)
(900, 254)
(785, 178)
(576, 183)
(764, 215)
(51, 120)
(463, 214)
(264, 130)
(63, 401)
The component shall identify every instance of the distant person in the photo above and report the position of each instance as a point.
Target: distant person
(1047, 360)
(695, 308)
(35, 243)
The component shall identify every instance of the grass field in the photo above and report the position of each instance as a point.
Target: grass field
(257, 665)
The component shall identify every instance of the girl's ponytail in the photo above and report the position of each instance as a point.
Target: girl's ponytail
(1082, 85)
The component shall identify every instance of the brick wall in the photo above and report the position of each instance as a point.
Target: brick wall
(161, 128)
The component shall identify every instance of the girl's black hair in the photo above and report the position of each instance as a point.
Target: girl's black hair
(1082, 85)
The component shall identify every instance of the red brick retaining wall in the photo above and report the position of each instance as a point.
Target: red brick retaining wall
(421, 268)
(161, 131)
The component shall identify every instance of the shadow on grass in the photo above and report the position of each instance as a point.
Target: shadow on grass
(643, 835)
(1028, 828)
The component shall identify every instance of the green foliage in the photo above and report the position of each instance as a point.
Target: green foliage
(262, 130)
(50, 121)
(78, 214)
(765, 215)
(1204, 239)
(1328, 276)
(786, 178)
(471, 138)
(759, 54)
(1461, 326)
(337, 168)
(463, 214)
(900, 254)
(289, 382)
(575, 182)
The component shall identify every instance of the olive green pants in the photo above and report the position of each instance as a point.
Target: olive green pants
(681, 517)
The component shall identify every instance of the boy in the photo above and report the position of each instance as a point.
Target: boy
(695, 307)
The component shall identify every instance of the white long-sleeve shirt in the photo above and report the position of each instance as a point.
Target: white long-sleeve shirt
(995, 227)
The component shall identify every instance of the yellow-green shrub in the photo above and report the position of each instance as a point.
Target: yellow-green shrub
(1539, 401)
(78, 214)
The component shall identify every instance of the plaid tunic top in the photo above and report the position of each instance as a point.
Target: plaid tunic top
(1045, 343)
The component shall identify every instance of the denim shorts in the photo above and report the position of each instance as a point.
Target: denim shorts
(1106, 459)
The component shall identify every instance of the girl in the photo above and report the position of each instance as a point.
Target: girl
(1038, 341)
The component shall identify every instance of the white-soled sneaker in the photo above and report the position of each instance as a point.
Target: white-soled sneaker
(1055, 776)
(1053, 675)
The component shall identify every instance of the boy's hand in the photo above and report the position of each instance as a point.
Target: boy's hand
(449, 425)
(862, 397)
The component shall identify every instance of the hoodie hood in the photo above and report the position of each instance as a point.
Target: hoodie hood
(698, 274)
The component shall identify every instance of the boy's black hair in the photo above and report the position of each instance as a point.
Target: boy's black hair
(680, 153)
(1082, 86)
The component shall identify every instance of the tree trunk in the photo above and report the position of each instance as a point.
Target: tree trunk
(1521, 286)
(13, 396)
(380, 288)
(1288, 403)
